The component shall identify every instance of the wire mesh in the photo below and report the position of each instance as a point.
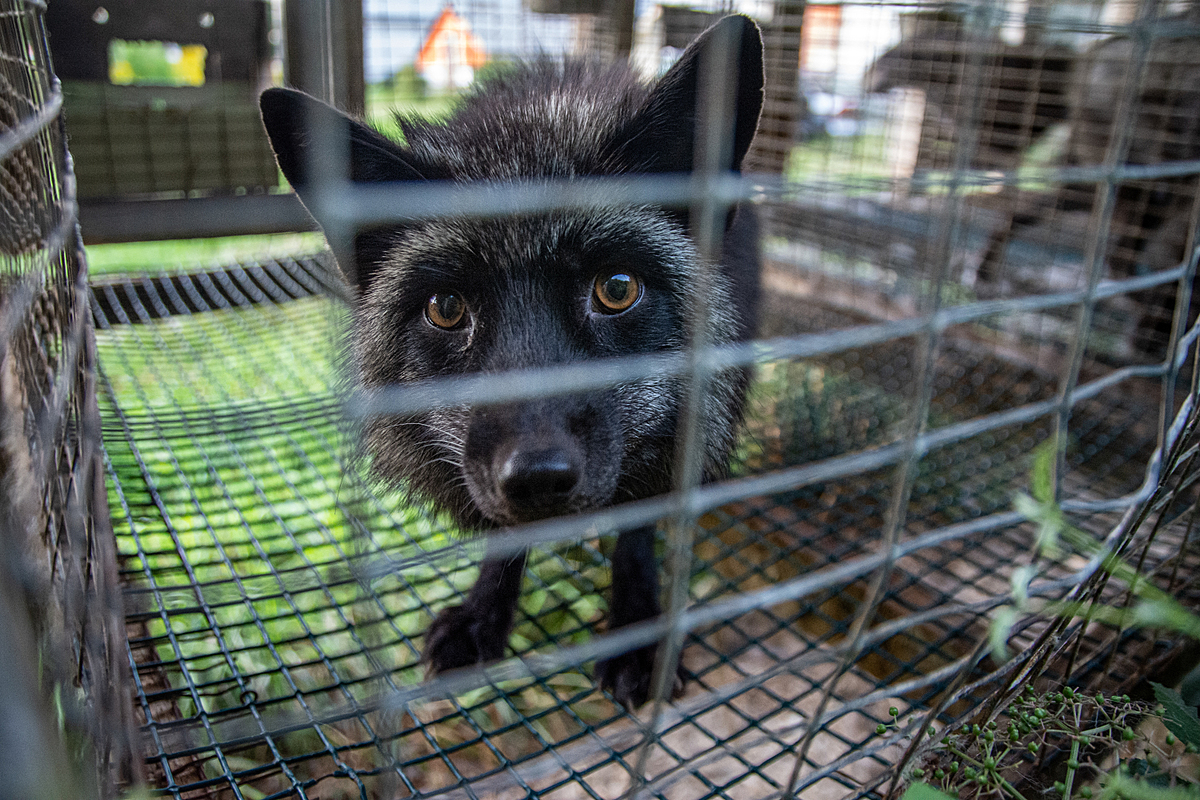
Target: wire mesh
(989, 262)
(66, 722)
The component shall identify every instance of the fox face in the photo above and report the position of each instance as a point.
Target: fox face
(466, 295)
(513, 294)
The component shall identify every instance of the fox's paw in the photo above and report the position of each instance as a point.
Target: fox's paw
(627, 677)
(458, 638)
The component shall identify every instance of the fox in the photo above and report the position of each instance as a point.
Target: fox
(461, 295)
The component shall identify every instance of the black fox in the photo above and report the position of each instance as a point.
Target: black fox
(468, 295)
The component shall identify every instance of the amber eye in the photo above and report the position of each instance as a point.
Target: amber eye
(445, 310)
(615, 292)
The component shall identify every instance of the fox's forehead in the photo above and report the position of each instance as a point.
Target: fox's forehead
(477, 252)
(539, 120)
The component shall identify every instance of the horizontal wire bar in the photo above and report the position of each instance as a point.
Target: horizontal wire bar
(342, 203)
(524, 384)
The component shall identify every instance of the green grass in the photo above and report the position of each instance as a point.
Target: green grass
(261, 354)
(189, 254)
(862, 157)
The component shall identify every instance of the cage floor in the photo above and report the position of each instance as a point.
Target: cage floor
(274, 594)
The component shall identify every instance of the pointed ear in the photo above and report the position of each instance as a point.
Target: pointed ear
(290, 117)
(662, 135)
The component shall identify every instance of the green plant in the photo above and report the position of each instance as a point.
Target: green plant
(1110, 749)
(986, 760)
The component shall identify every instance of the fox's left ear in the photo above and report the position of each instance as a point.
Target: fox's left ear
(290, 118)
(662, 135)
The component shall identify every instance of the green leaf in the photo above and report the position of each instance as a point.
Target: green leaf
(923, 791)
(1118, 785)
(1041, 479)
(1021, 577)
(1166, 612)
(999, 631)
(1049, 518)
(1178, 716)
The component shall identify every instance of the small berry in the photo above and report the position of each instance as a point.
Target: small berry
(918, 773)
(932, 731)
(1189, 748)
(1032, 747)
(1060, 787)
(991, 724)
(1100, 698)
(1086, 793)
(989, 763)
(969, 773)
(1085, 740)
(939, 773)
(1128, 735)
(1154, 761)
(1170, 740)
(1073, 763)
(893, 711)
(880, 729)
(953, 767)
(1041, 713)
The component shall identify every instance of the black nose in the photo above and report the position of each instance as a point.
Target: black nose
(538, 479)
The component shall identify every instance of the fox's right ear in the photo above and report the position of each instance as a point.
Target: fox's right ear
(662, 135)
(290, 118)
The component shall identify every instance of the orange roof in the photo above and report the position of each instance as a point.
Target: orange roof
(450, 41)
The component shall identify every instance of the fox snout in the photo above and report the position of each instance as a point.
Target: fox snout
(539, 478)
(541, 459)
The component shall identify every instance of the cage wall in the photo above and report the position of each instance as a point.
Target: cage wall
(66, 727)
(978, 228)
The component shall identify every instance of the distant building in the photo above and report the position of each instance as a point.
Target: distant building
(450, 54)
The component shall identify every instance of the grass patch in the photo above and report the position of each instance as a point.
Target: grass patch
(179, 255)
(862, 157)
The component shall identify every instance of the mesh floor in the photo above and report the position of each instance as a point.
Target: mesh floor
(277, 598)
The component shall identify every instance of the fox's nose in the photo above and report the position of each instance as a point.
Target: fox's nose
(538, 479)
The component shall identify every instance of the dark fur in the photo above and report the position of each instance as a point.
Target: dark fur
(527, 282)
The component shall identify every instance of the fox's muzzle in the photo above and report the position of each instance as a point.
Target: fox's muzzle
(544, 458)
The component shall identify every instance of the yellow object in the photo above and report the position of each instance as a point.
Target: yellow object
(155, 63)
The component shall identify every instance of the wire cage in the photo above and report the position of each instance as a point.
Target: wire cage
(66, 724)
(979, 237)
